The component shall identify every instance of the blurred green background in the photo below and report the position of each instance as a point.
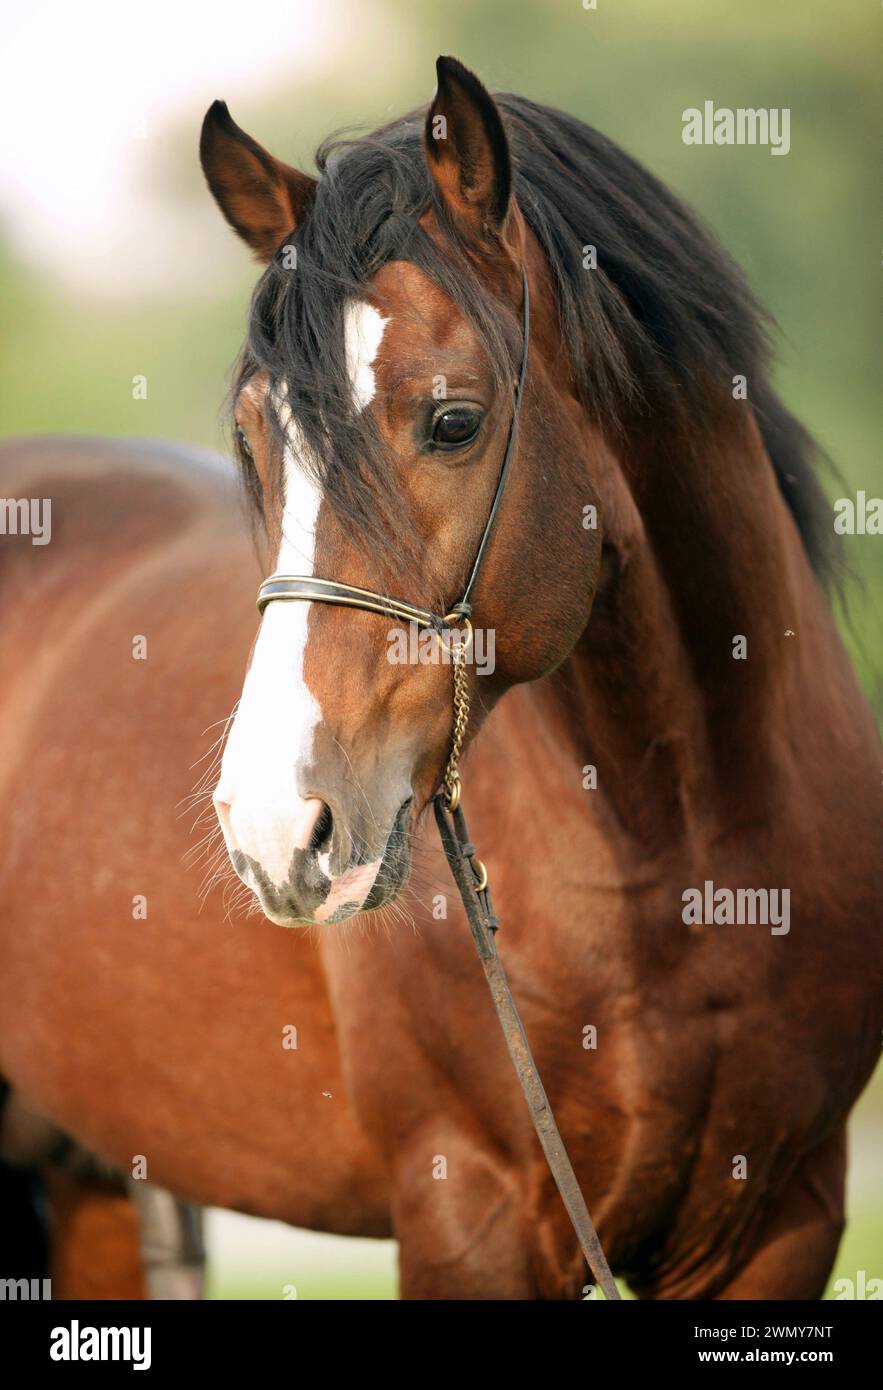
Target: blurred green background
(803, 226)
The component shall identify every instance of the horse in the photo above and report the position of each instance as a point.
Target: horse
(670, 771)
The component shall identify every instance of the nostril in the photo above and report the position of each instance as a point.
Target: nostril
(320, 839)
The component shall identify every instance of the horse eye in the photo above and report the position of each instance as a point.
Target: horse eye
(244, 445)
(456, 426)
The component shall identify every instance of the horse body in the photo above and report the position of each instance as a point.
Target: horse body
(164, 1036)
(714, 1043)
(146, 1036)
(671, 708)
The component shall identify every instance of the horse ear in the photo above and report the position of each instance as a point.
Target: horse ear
(468, 153)
(263, 199)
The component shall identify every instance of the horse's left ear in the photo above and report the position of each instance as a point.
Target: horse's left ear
(468, 153)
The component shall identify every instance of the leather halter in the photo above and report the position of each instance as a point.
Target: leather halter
(469, 873)
(308, 589)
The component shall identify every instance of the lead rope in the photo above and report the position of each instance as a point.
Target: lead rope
(471, 879)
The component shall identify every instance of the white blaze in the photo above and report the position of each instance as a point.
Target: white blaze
(363, 329)
(272, 735)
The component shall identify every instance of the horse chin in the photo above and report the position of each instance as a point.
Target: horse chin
(395, 866)
(283, 919)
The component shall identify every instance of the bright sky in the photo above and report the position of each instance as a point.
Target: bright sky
(83, 89)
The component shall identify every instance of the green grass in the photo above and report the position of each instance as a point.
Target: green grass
(324, 1286)
(861, 1249)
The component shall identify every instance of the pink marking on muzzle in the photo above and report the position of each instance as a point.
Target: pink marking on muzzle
(353, 886)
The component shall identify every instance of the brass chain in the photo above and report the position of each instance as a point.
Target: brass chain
(451, 780)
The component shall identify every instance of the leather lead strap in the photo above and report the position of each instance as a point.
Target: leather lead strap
(483, 924)
(464, 607)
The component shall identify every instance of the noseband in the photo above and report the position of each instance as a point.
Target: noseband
(469, 873)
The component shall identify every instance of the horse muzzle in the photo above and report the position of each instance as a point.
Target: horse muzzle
(308, 864)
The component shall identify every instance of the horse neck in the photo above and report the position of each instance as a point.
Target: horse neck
(699, 550)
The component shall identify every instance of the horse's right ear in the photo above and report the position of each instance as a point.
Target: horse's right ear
(263, 199)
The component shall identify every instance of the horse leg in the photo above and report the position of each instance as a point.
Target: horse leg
(95, 1246)
(469, 1228)
(121, 1240)
(172, 1250)
(64, 1209)
(24, 1237)
(458, 1234)
(797, 1246)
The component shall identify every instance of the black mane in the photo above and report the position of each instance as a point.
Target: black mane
(665, 309)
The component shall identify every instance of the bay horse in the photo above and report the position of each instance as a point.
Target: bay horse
(669, 733)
